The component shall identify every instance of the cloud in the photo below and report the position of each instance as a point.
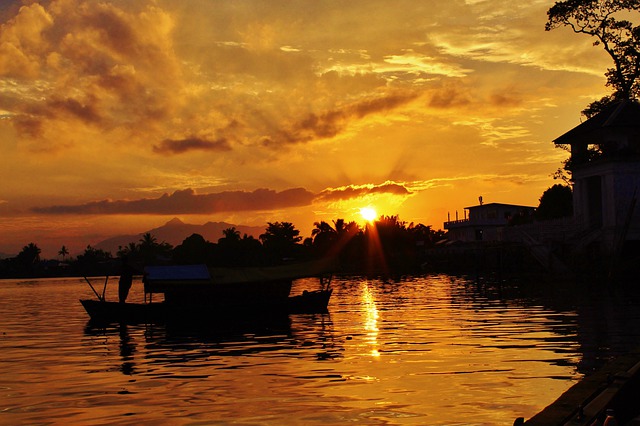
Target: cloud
(22, 42)
(450, 96)
(188, 202)
(356, 191)
(89, 66)
(332, 122)
(180, 146)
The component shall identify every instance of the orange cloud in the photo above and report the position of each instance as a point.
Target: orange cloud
(100, 64)
(355, 191)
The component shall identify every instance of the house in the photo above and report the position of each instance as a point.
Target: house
(485, 222)
(605, 166)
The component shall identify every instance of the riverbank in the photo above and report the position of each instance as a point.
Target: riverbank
(615, 386)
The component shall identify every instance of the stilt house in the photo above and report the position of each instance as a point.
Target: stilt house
(605, 167)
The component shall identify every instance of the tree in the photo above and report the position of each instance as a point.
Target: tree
(555, 202)
(324, 236)
(619, 38)
(63, 252)
(130, 250)
(280, 240)
(230, 235)
(151, 251)
(194, 249)
(29, 256)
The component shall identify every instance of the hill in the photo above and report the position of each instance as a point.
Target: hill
(175, 231)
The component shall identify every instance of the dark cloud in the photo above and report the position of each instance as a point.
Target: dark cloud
(188, 202)
(450, 97)
(28, 125)
(84, 111)
(180, 146)
(330, 123)
(354, 191)
(506, 99)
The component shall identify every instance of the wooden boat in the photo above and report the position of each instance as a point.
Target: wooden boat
(199, 293)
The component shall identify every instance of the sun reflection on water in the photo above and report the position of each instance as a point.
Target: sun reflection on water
(370, 320)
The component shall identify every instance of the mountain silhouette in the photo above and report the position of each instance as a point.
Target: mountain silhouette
(175, 231)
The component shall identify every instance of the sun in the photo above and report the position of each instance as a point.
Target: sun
(369, 214)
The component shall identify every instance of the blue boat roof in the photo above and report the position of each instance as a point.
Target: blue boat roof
(177, 272)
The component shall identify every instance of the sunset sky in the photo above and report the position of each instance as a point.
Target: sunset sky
(116, 116)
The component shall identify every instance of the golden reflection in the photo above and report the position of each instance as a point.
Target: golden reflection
(371, 320)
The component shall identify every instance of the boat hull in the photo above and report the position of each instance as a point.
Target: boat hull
(162, 312)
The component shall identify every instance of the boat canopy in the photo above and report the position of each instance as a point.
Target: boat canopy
(177, 272)
(159, 279)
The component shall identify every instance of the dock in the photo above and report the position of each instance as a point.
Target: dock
(616, 386)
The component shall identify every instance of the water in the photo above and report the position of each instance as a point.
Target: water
(418, 350)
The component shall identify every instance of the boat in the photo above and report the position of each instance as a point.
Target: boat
(199, 293)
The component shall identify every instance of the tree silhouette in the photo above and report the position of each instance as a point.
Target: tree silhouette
(146, 250)
(130, 250)
(619, 38)
(231, 234)
(29, 256)
(555, 202)
(194, 250)
(324, 237)
(63, 252)
(280, 240)
(150, 251)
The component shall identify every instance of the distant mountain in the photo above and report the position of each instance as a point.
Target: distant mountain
(175, 231)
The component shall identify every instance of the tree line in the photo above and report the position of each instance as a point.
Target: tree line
(391, 243)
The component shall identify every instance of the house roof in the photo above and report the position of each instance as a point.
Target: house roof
(517, 206)
(622, 114)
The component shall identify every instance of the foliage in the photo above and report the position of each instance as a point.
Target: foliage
(93, 255)
(194, 250)
(555, 202)
(619, 37)
(29, 255)
(280, 240)
(597, 106)
(564, 173)
(236, 251)
(147, 250)
(63, 252)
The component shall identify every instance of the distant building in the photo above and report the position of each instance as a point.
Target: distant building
(605, 166)
(485, 222)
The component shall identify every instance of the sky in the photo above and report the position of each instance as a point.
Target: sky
(117, 116)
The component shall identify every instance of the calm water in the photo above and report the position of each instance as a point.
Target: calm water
(419, 350)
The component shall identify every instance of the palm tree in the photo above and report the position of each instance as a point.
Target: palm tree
(148, 240)
(324, 236)
(63, 252)
(30, 255)
(150, 250)
(231, 234)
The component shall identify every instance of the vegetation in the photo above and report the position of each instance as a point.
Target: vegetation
(620, 38)
(390, 242)
(556, 202)
(605, 21)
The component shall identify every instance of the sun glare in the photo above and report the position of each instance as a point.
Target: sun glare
(368, 214)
